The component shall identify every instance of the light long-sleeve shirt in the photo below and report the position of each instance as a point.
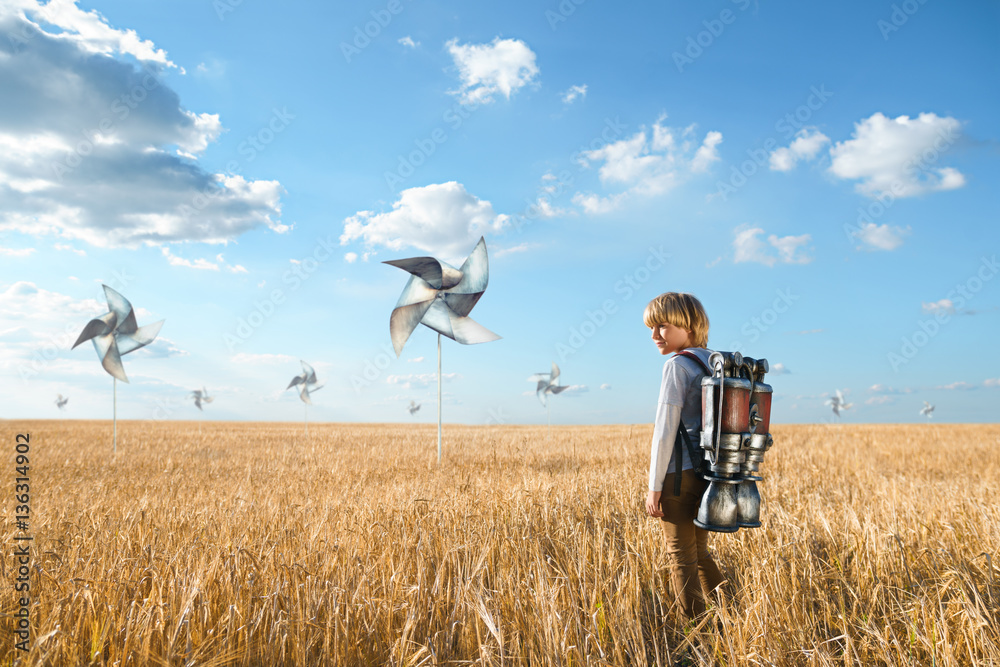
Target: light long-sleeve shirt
(680, 399)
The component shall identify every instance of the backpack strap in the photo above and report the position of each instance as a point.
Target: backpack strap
(695, 357)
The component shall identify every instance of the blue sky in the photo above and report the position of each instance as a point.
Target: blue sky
(816, 173)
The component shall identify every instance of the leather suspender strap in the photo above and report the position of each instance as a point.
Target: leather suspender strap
(695, 357)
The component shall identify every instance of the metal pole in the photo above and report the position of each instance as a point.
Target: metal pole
(114, 411)
(305, 407)
(439, 399)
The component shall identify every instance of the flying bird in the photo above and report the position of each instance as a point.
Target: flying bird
(61, 402)
(201, 396)
(116, 333)
(837, 403)
(927, 410)
(306, 382)
(548, 383)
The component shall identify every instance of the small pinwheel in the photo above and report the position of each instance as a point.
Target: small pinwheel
(61, 402)
(306, 382)
(548, 383)
(837, 403)
(927, 410)
(201, 396)
(116, 334)
(413, 407)
(441, 297)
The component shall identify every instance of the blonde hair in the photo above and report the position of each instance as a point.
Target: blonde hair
(681, 310)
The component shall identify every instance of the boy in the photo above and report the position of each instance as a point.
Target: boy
(679, 323)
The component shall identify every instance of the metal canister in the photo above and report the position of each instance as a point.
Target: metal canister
(725, 422)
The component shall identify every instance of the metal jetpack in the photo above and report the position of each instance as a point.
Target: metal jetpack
(736, 416)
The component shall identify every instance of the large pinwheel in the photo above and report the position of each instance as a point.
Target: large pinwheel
(307, 383)
(115, 334)
(927, 410)
(440, 297)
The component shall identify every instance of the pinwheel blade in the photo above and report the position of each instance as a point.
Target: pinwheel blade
(437, 274)
(111, 359)
(404, 320)
(555, 373)
(558, 390)
(475, 272)
(308, 372)
(138, 338)
(122, 309)
(99, 326)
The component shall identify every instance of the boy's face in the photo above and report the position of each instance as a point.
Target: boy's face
(670, 339)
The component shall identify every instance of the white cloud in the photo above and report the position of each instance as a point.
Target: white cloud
(883, 389)
(706, 153)
(806, 145)
(442, 219)
(747, 247)
(419, 379)
(991, 382)
(574, 92)
(37, 328)
(89, 141)
(504, 66)
(350, 257)
(957, 386)
(16, 252)
(944, 307)
(89, 31)
(415, 360)
(63, 246)
(898, 155)
(880, 237)
(779, 369)
(174, 260)
(262, 359)
(606, 386)
(520, 247)
(408, 42)
(647, 163)
(880, 400)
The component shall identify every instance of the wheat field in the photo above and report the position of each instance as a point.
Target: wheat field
(254, 544)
